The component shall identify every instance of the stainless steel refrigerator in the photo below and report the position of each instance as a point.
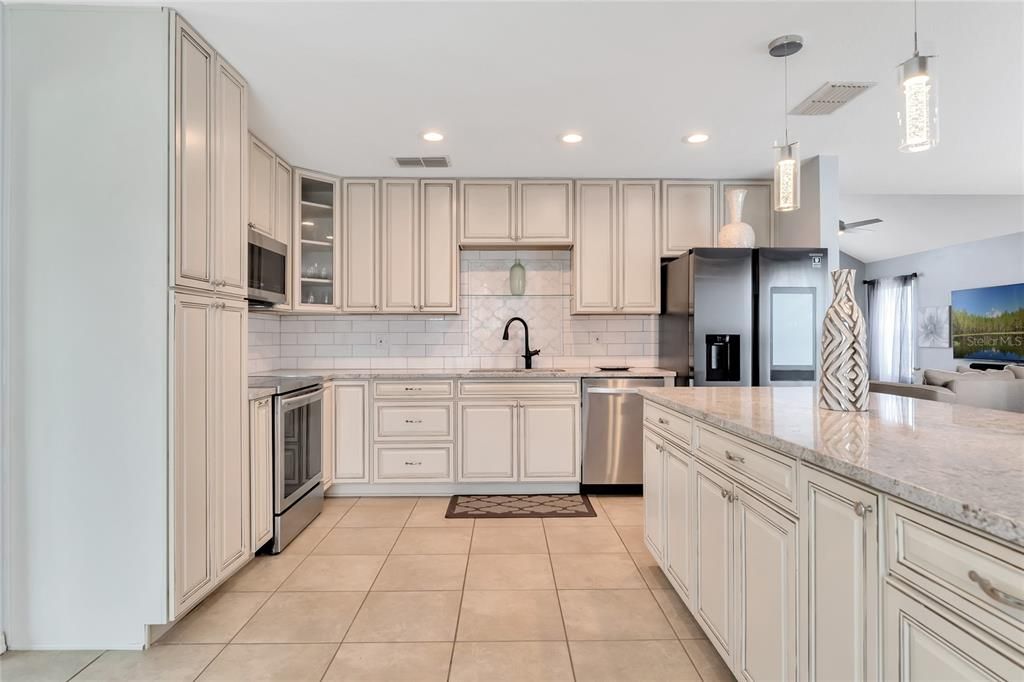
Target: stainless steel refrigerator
(743, 317)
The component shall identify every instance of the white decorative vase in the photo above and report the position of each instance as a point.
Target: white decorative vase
(844, 357)
(736, 234)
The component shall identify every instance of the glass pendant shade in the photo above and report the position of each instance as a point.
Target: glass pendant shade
(517, 279)
(786, 191)
(918, 111)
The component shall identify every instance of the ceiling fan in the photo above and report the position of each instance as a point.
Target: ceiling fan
(857, 225)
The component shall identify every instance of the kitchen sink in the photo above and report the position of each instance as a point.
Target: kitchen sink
(518, 369)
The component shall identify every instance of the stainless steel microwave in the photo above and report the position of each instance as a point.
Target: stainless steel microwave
(268, 270)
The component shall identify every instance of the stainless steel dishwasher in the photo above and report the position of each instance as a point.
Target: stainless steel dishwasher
(613, 432)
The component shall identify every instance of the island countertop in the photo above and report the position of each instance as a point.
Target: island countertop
(964, 463)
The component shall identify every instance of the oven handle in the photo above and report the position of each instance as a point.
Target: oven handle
(293, 402)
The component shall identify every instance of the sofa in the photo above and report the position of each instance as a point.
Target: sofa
(997, 389)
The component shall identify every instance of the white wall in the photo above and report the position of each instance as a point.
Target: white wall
(87, 181)
(989, 262)
(816, 222)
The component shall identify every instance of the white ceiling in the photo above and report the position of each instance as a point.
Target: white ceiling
(343, 87)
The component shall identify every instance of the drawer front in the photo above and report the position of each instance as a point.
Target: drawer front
(676, 425)
(416, 390)
(412, 421)
(396, 463)
(773, 474)
(962, 569)
(523, 388)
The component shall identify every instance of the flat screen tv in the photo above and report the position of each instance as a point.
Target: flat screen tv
(988, 323)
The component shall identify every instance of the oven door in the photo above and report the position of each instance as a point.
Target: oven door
(268, 269)
(298, 428)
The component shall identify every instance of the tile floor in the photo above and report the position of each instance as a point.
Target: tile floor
(388, 589)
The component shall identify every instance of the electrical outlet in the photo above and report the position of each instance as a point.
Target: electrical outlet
(595, 338)
(380, 340)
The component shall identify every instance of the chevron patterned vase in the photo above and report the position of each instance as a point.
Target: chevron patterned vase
(844, 357)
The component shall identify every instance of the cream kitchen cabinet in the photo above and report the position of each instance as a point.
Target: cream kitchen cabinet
(549, 448)
(360, 228)
(261, 449)
(327, 437)
(315, 257)
(400, 257)
(757, 208)
(230, 189)
(545, 212)
(516, 213)
(270, 192)
(713, 601)
(211, 477)
(654, 501)
(351, 445)
(487, 440)
(438, 258)
(283, 205)
(689, 215)
(678, 506)
(488, 210)
(616, 259)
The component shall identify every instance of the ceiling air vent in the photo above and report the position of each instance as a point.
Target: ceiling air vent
(422, 161)
(829, 97)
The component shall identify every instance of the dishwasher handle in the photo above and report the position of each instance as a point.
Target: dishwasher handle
(614, 391)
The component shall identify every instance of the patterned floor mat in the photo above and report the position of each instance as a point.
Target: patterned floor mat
(519, 506)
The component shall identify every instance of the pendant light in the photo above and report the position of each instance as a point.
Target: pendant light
(918, 114)
(786, 190)
(517, 278)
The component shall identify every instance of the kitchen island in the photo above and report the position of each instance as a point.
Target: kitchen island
(812, 544)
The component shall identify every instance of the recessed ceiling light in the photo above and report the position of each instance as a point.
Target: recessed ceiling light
(433, 136)
(698, 138)
(572, 138)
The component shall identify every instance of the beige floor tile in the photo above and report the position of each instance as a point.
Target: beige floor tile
(391, 662)
(375, 516)
(386, 503)
(576, 521)
(264, 573)
(650, 570)
(353, 573)
(509, 572)
(302, 617)
(433, 541)
(306, 541)
(620, 500)
(613, 615)
(632, 537)
(660, 661)
(707, 661)
(327, 518)
(432, 516)
(625, 514)
(596, 571)
(217, 619)
(406, 617)
(165, 662)
(413, 572)
(678, 615)
(292, 662)
(43, 666)
(510, 615)
(509, 540)
(584, 540)
(511, 662)
(342, 504)
(358, 541)
(507, 523)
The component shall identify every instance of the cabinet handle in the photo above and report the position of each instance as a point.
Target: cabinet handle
(413, 388)
(861, 509)
(412, 464)
(994, 594)
(662, 420)
(376, 307)
(734, 458)
(725, 494)
(413, 421)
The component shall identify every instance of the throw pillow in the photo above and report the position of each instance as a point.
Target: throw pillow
(1016, 370)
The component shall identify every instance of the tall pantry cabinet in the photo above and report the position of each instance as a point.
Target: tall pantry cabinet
(210, 534)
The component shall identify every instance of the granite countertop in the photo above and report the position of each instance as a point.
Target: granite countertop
(541, 373)
(962, 462)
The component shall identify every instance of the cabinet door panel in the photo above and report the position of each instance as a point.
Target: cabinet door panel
(639, 278)
(352, 431)
(757, 209)
(193, 477)
(678, 518)
(549, 443)
(487, 441)
(654, 510)
(283, 202)
(260, 463)
(713, 603)
(231, 253)
(840, 579)
(360, 228)
(689, 213)
(194, 144)
(400, 245)
(545, 211)
(439, 250)
(316, 241)
(595, 257)
(262, 187)
(488, 212)
(766, 590)
(231, 496)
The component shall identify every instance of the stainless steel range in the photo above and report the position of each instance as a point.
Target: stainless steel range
(298, 453)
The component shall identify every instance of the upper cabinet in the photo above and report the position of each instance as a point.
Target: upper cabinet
(270, 192)
(689, 215)
(615, 260)
(211, 165)
(316, 232)
(757, 208)
(282, 201)
(438, 247)
(516, 213)
(359, 229)
(399, 235)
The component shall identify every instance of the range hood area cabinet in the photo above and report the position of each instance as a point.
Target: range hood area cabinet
(399, 252)
(616, 258)
(270, 192)
(516, 213)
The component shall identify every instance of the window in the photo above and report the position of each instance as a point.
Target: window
(891, 328)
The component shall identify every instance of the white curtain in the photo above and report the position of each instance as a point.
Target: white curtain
(891, 329)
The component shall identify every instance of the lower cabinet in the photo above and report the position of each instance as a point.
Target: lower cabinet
(549, 441)
(327, 437)
(713, 601)
(678, 484)
(487, 437)
(654, 513)
(351, 446)
(261, 449)
(404, 463)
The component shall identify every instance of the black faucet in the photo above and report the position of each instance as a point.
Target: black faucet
(528, 355)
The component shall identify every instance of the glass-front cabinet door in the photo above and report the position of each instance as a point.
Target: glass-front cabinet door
(317, 232)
